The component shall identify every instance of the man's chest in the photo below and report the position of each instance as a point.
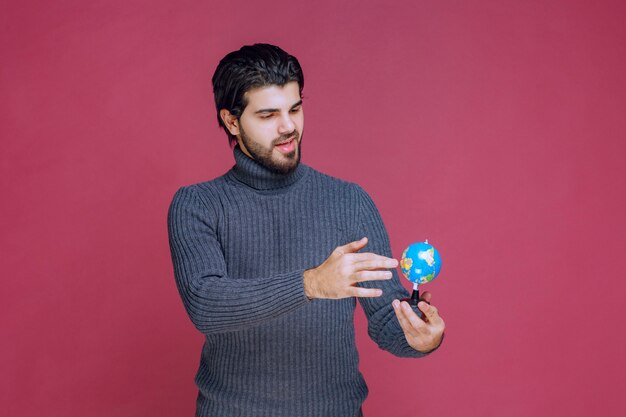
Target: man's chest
(266, 236)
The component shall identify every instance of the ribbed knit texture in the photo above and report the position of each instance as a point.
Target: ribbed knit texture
(240, 245)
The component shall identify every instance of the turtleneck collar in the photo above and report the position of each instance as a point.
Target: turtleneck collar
(255, 175)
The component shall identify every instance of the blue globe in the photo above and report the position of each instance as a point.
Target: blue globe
(420, 263)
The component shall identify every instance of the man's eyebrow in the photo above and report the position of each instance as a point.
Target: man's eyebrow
(299, 103)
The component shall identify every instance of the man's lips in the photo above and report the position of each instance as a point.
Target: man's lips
(287, 141)
(287, 147)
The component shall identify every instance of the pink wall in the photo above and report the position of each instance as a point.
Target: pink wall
(494, 128)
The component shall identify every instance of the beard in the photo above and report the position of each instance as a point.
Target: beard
(264, 155)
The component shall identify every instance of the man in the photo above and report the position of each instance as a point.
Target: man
(267, 261)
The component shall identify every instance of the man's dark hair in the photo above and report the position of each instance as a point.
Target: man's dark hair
(252, 66)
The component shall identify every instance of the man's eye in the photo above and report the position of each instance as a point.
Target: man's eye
(266, 115)
(296, 109)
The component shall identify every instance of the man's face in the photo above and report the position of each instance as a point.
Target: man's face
(270, 127)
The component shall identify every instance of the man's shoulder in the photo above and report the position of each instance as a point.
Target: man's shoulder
(208, 186)
(331, 182)
(350, 192)
(214, 185)
(204, 192)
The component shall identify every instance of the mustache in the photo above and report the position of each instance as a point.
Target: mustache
(282, 138)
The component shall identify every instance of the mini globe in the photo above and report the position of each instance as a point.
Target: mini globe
(420, 263)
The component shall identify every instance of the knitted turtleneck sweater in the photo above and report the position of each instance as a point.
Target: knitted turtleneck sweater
(240, 244)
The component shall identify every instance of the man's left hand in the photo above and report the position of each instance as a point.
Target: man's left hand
(424, 334)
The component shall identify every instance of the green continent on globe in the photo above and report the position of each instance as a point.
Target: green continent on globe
(427, 278)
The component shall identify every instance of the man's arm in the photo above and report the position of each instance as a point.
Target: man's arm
(383, 324)
(215, 301)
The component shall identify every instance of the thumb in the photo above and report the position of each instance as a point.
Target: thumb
(351, 247)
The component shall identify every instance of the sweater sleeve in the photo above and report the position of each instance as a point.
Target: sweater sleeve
(215, 301)
(383, 325)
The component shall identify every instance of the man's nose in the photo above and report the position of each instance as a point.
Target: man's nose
(286, 124)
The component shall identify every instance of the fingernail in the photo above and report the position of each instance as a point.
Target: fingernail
(395, 303)
(388, 275)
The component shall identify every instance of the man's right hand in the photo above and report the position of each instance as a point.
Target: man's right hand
(338, 275)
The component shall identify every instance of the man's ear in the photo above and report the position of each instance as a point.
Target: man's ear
(230, 121)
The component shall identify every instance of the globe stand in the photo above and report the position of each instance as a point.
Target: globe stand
(414, 299)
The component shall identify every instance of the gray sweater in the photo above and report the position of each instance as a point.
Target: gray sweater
(240, 244)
